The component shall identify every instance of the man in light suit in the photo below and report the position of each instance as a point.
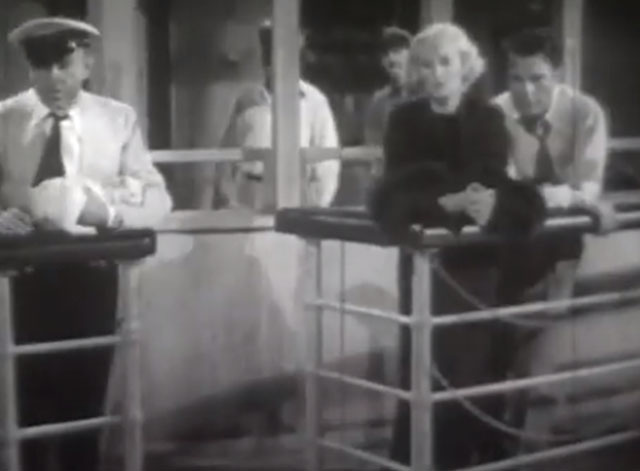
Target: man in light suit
(558, 140)
(72, 161)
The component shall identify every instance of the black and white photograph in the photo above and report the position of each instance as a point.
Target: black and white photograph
(319, 235)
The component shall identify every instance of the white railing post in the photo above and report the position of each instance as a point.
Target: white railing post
(9, 401)
(283, 174)
(421, 355)
(129, 306)
(313, 352)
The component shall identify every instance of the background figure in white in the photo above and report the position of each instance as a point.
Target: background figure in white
(253, 129)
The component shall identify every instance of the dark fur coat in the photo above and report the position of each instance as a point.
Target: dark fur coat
(428, 155)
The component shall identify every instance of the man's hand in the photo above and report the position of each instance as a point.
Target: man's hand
(605, 217)
(480, 203)
(56, 204)
(252, 169)
(454, 202)
(95, 212)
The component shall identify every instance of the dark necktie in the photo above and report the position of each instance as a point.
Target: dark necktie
(51, 165)
(540, 129)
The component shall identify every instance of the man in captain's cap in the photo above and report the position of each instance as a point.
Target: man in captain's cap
(72, 161)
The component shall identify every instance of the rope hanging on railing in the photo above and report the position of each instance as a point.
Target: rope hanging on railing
(495, 423)
(444, 274)
(342, 301)
(467, 404)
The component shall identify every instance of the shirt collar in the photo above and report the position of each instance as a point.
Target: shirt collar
(548, 116)
(40, 111)
(396, 90)
(553, 106)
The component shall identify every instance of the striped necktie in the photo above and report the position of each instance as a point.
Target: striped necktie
(51, 165)
(540, 128)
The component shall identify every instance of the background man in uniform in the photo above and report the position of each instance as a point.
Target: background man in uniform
(253, 129)
(70, 160)
(393, 57)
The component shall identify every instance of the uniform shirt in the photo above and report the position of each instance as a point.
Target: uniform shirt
(382, 102)
(100, 142)
(317, 129)
(577, 143)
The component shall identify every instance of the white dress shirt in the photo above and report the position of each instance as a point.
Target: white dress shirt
(317, 129)
(577, 144)
(101, 145)
(70, 145)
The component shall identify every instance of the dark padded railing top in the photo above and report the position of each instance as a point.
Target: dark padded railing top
(47, 247)
(352, 224)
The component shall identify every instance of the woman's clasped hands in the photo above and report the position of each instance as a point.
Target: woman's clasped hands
(476, 200)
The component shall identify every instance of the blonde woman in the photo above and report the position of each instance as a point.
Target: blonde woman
(445, 165)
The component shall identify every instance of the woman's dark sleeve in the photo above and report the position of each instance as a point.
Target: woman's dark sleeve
(495, 147)
(407, 193)
(519, 210)
(398, 151)
(391, 208)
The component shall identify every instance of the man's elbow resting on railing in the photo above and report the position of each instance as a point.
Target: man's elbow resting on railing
(565, 196)
(587, 197)
(156, 207)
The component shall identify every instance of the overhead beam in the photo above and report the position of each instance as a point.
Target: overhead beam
(435, 11)
(120, 69)
(572, 24)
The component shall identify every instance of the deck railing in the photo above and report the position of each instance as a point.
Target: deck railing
(316, 226)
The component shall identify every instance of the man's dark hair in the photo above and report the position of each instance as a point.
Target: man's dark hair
(265, 36)
(531, 42)
(394, 38)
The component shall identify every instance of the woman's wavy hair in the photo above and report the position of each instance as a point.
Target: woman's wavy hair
(473, 64)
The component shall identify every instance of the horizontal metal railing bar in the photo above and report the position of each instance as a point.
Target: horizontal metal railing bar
(66, 345)
(345, 154)
(620, 144)
(346, 308)
(178, 156)
(305, 223)
(537, 307)
(223, 221)
(353, 153)
(213, 230)
(47, 430)
(557, 452)
(227, 221)
(363, 455)
(485, 389)
(363, 383)
(525, 383)
(578, 223)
